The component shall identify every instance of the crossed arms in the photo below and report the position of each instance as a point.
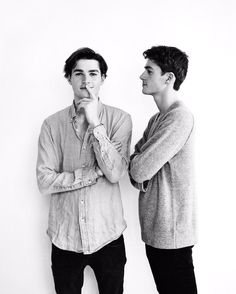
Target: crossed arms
(112, 156)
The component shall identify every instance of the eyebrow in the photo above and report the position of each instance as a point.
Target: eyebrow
(148, 67)
(91, 70)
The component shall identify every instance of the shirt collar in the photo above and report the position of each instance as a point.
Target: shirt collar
(73, 109)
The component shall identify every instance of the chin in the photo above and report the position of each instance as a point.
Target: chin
(83, 94)
(145, 92)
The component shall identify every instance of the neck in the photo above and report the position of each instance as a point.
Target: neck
(80, 113)
(165, 99)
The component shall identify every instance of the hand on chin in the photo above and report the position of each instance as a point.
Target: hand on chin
(84, 93)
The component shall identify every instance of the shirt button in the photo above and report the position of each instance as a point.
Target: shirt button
(83, 165)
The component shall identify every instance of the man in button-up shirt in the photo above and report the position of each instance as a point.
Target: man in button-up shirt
(83, 153)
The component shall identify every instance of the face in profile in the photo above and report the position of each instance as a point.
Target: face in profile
(153, 81)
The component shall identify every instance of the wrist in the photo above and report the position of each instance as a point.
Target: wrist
(98, 125)
(95, 123)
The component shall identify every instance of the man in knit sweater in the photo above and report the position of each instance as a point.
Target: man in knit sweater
(161, 168)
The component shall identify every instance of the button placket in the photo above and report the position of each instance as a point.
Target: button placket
(82, 221)
(83, 149)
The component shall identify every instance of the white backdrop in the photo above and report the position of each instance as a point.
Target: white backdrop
(36, 38)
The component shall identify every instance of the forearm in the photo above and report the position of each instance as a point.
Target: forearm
(143, 166)
(136, 169)
(110, 161)
(50, 181)
(50, 177)
(169, 138)
(140, 186)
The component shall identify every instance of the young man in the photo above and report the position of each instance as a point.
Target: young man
(83, 152)
(162, 169)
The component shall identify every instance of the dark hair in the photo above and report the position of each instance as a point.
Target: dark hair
(84, 53)
(170, 59)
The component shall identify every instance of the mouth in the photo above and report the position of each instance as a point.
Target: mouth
(84, 88)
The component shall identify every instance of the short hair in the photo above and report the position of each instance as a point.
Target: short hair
(169, 59)
(84, 53)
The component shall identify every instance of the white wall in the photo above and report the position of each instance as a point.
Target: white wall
(36, 38)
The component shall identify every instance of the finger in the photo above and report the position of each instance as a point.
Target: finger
(118, 146)
(119, 149)
(99, 171)
(87, 100)
(91, 93)
(116, 143)
(83, 103)
(82, 106)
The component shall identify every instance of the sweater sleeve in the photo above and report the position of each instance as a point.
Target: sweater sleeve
(167, 140)
(140, 186)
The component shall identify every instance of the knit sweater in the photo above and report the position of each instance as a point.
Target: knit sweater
(162, 169)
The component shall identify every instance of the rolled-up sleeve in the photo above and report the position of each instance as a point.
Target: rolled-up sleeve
(49, 177)
(112, 162)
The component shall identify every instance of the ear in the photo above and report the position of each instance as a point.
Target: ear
(103, 78)
(69, 80)
(169, 77)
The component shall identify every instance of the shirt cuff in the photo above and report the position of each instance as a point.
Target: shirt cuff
(78, 174)
(85, 177)
(99, 132)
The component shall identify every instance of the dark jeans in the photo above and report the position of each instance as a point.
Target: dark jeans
(108, 264)
(172, 270)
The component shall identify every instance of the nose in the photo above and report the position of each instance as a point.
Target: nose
(86, 80)
(142, 76)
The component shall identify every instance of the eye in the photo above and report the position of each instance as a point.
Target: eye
(93, 74)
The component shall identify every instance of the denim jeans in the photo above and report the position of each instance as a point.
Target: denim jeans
(172, 270)
(108, 264)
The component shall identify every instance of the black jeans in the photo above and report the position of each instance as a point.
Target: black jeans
(108, 264)
(172, 270)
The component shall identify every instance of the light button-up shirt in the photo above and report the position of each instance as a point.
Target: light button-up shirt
(86, 211)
